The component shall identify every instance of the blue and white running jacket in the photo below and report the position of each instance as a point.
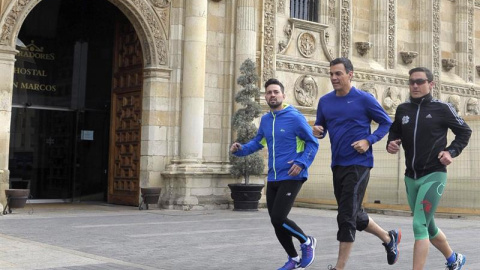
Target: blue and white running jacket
(288, 137)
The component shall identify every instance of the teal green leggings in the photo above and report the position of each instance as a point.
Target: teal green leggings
(423, 197)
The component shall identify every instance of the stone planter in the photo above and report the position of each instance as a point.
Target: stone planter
(16, 198)
(149, 196)
(246, 197)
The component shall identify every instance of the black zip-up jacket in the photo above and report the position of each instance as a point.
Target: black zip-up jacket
(422, 124)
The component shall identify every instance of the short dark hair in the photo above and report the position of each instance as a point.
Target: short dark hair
(422, 69)
(342, 60)
(275, 81)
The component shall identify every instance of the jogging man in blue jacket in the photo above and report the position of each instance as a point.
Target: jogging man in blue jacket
(346, 113)
(291, 150)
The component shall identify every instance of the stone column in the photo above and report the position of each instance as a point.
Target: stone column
(193, 89)
(379, 24)
(7, 63)
(245, 44)
(463, 36)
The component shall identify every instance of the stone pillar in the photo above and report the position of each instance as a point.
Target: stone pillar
(245, 44)
(424, 34)
(193, 89)
(379, 24)
(7, 62)
(463, 36)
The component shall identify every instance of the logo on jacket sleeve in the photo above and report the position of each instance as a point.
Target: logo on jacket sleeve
(405, 119)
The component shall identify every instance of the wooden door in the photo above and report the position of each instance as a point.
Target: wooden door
(126, 115)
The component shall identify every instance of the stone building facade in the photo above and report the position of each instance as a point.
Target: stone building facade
(188, 54)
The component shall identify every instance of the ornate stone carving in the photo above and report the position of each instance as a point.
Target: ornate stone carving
(449, 63)
(408, 56)
(345, 28)
(472, 107)
(477, 3)
(470, 43)
(369, 87)
(281, 6)
(163, 3)
(10, 20)
(315, 28)
(331, 11)
(151, 16)
(287, 30)
(363, 47)
(391, 33)
(269, 40)
(392, 98)
(306, 44)
(306, 90)
(436, 48)
(290, 64)
(455, 101)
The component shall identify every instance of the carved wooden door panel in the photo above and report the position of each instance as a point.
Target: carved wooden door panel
(126, 115)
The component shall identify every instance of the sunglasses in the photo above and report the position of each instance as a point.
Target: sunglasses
(417, 81)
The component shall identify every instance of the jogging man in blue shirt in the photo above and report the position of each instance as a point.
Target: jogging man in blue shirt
(346, 113)
(291, 150)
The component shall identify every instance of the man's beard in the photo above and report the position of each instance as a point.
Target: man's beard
(275, 105)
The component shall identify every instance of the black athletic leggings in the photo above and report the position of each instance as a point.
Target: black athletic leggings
(280, 198)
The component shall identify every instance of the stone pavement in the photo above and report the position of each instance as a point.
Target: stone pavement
(103, 236)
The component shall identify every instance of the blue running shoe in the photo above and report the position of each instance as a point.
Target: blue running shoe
(290, 264)
(458, 263)
(392, 247)
(308, 252)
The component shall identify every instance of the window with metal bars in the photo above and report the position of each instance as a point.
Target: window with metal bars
(304, 10)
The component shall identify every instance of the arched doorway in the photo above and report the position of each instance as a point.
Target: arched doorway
(69, 130)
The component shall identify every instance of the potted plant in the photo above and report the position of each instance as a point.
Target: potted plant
(245, 195)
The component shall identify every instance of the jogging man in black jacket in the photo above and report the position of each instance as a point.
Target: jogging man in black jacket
(420, 126)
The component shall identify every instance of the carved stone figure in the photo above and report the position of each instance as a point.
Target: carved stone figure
(369, 88)
(472, 107)
(305, 90)
(391, 100)
(455, 101)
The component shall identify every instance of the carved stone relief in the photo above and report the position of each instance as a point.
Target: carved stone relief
(345, 28)
(470, 43)
(391, 33)
(306, 44)
(144, 14)
(369, 87)
(455, 101)
(436, 49)
(269, 40)
(281, 6)
(306, 90)
(392, 98)
(472, 107)
(287, 31)
(331, 11)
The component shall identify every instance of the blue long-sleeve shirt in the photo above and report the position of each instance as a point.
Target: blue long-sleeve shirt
(348, 119)
(289, 138)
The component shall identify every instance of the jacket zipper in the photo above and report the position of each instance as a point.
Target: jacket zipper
(273, 144)
(415, 140)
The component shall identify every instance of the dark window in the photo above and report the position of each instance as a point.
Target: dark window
(304, 10)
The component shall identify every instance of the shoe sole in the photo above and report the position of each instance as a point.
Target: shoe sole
(314, 245)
